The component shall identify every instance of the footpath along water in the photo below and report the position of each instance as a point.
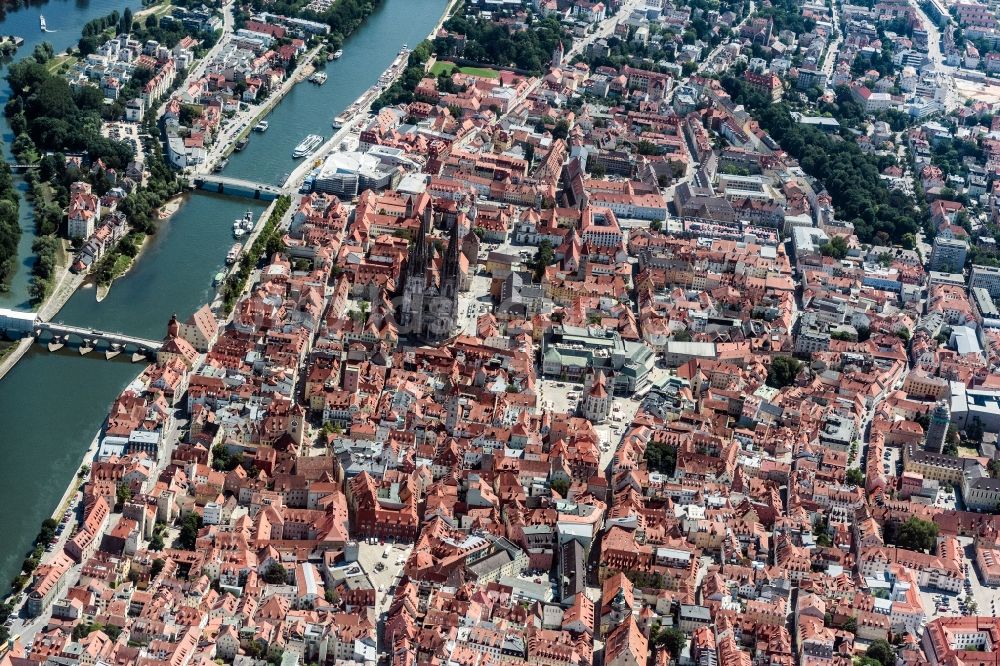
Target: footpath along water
(51, 405)
(64, 19)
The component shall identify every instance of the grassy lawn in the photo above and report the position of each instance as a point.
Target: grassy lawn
(966, 452)
(121, 265)
(59, 60)
(448, 68)
(159, 9)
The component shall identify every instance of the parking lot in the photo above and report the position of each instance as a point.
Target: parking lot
(986, 598)
(383, 572)
(974, 599)
(125, 132)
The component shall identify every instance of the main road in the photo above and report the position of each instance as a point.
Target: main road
(946, 72)
(830, 57)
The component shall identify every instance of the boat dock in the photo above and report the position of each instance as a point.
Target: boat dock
(345, 122)
(388, 77)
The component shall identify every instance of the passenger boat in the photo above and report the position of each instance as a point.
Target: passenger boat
(42, 24)
(307, 145)
(220, 166)
(261, 126)
(242, 143)
(246, 222)
(241, 226)
(219, 278)
(234, 254)
(319, 78)
(338, 53)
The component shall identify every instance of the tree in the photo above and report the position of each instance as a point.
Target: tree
(881, 652)
(47, 531)
(656, 225)
(560, 486)
(189, 531)
(274, 245)
(543, 257)
(43, 53)
(125, 25)
(673, 639)
(124, 494)
(851, 625)
(836, 247)
(254, 649)
(156, 543)
(82, 630)
(222, 460)
(24, 148)
(782, 372)
(855, 477)
(156, 567)
(646, 147)
(661, 457)
(994, 468)
(275, 574)
(917, 534)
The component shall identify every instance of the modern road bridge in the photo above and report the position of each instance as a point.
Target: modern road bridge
(236, 186)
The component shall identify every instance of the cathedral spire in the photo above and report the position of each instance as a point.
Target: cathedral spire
(451, 255)
(418, 253)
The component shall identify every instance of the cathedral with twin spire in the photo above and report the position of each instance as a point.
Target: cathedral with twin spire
(429, 307)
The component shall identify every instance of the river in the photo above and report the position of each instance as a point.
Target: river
(51, 405)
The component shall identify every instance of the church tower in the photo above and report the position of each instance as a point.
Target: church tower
(937, 429)
(597, 401)
(558, 54)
